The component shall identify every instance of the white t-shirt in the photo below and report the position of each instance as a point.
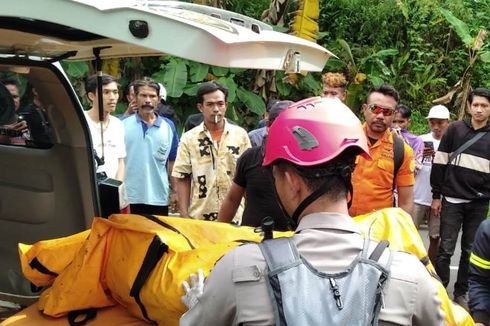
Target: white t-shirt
(422, 192)
(114, 147)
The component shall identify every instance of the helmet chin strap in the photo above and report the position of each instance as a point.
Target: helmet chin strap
(345, 174)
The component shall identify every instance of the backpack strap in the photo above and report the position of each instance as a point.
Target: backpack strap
(398, 156)
(467, 144)
(279, 253)
(378, 251)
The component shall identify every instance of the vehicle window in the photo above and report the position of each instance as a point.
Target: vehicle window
(24, 120)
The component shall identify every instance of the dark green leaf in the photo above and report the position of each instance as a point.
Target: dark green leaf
(229, 83)
(284, 89)
(252, 101)
(237, 70)
(311, 83)
(485, 56)
(386, 53)
(174, 78)
(219, 71)
(75, 69)
(458, 26)
(198, 71)
(345, 46)
(376, 80)
(191, 89)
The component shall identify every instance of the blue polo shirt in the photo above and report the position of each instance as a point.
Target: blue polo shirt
(148, 150)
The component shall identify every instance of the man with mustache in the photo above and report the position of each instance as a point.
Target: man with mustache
(374, 181)
(150, 156)
(460, 181)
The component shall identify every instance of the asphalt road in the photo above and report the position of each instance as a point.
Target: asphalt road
(424, 233)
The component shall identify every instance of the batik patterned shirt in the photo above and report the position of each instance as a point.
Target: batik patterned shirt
(211, 166)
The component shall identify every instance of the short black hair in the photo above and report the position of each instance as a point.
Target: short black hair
(210, 87)
(145, 81)
(91, 82)
(404, 111)
(336, 174)
(483, 92)
(386, 90)
(276, 109)
(10, 81)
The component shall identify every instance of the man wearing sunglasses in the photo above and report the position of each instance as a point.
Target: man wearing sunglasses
(374, 180)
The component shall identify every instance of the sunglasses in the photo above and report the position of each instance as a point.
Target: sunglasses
(376, 109)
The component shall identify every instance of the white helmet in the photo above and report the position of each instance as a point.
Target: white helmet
(163, 92)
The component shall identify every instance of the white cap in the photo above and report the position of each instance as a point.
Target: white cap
(163, 92)
(438, 112)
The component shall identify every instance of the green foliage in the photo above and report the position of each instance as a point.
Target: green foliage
(418, 46)
(459, 27)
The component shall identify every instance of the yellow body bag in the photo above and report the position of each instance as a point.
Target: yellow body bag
(396, 226)
(141, 261)
(137, 261)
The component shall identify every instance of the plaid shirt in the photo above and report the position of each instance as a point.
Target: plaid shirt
(212, 167)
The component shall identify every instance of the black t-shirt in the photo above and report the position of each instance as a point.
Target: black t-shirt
(259, 188)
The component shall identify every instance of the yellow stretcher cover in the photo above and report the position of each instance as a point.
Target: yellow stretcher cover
(396, 226)
(116, 315)
(137, 261)
(141, 261)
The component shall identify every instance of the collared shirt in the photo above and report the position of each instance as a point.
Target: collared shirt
(211, 165)
(148, 150)
(236, 291)
(372, 180)
(257, 136)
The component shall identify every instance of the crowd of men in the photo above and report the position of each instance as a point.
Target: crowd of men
(218, 171)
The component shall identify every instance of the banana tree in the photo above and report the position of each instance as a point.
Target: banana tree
(476, 51)
(370, 67)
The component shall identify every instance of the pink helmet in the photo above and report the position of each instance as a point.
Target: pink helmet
(314, 131)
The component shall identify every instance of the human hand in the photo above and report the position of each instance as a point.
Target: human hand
(436, 208)
(173, 203)
(132, 108)
(429, 152)
(18, 126)
(193, 293)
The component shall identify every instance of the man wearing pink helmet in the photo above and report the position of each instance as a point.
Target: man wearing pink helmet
(314, 277)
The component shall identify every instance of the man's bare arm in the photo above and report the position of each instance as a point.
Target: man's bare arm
(183, 189)
(230, 204)
(405, 198)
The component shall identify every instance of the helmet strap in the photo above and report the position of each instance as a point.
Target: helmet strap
(321, 191)
(307, 201)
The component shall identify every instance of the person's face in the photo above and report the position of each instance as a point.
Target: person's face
(480, 109)
(14, 91)
(213, 108)
(400, 122)
(110, 95)
(334, 92)
(379, 111)
(147, 99)
(438, 127)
